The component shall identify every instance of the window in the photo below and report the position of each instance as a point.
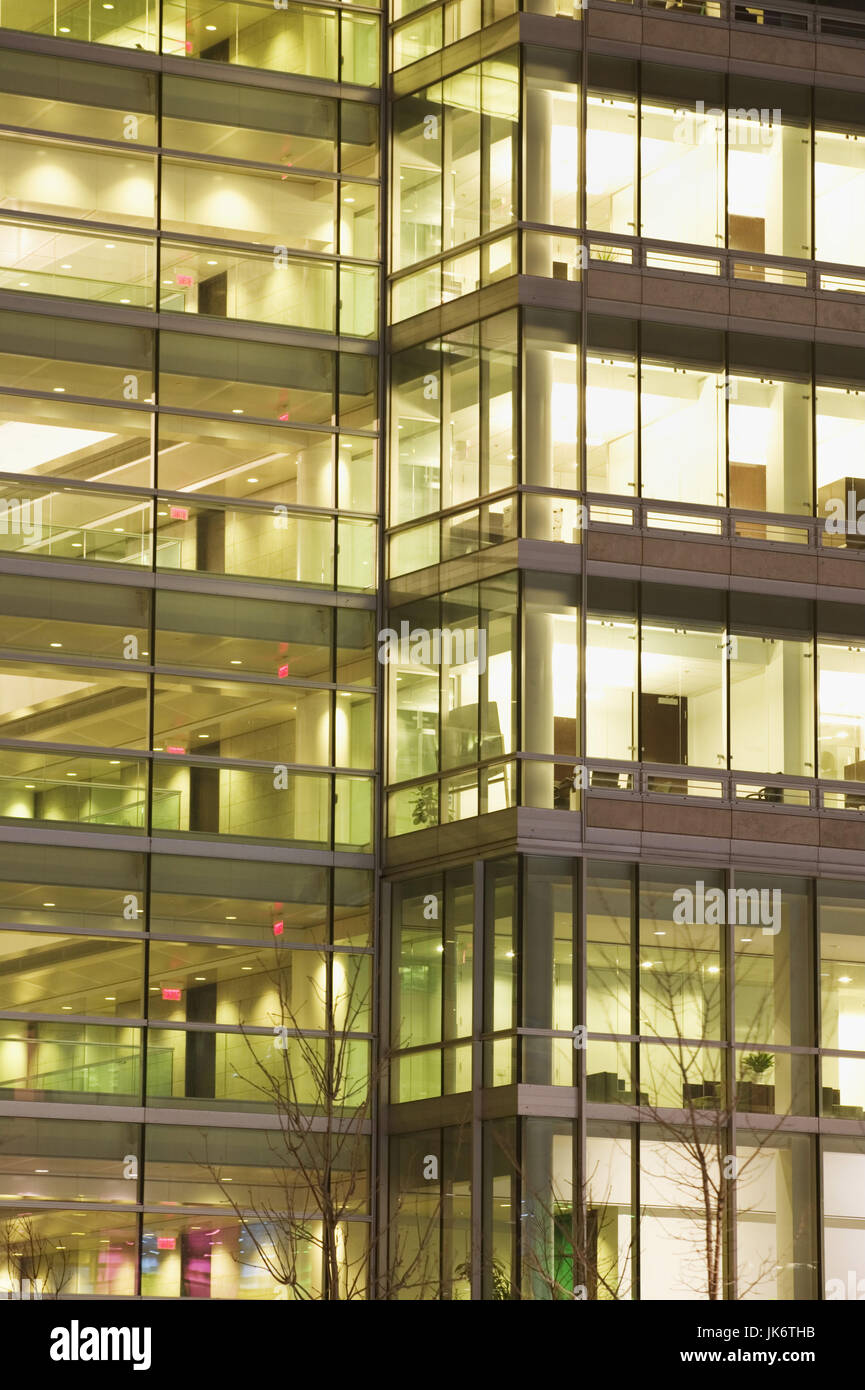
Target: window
(293, 129)
(611, 146)
(839, 178)
(841, 917)
(455, 160)
(768, 170)
(772, 686)
(611, 407)
(682, 156)
(41, 92)
(552, 186)
(611, 671)
(682, 679)
(770, 413)
(682, 415)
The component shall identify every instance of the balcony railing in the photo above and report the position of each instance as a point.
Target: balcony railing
(793, 18)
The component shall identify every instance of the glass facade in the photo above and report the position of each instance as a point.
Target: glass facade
(436, 441)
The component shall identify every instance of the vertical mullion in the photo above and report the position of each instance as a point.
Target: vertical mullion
(477, 1168)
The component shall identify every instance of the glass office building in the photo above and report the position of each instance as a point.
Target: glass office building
(438, 438)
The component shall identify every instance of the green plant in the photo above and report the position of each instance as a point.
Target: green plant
(758, 1063)
(424, 809)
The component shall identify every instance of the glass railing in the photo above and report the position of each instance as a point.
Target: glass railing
(454, 797)
(276, 803)
(125, 23)
(277, 35)
(280, 37)
(246, 286)
(73, 524)
(82, 791)
(447, 280)
(62, 1066)
(271, 544)
(36, 259)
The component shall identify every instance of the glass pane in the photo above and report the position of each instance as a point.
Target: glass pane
(771, 706)
(611, 163)
(104, 185)
(272, 288)
(131, 24)
(839, 191)
(682, 416)
(682, 162)
(777, 1217)
(841, 915)
(770, 447)
(288, 38)
(611, 423)
(611, 687)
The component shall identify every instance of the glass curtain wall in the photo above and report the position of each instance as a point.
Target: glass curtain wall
(659, 970)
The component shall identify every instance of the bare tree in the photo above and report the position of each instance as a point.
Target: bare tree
(691, 1097)
(561, 1257)
(321, 1087)
(37, 1264)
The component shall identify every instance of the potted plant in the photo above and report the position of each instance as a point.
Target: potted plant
(424, 808)
(756, 1093)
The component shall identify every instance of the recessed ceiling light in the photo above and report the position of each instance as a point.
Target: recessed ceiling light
(56, 644)
(235, 662)
(111, 998)
(109, 246)
(200, 977)
(745, 939)
(213, 262)
(348, 200)
(30, 786)
(66, 267)
(59, 388)
(64, 30)
(24, 284)
(237, 412)
(168, 282)
(67, 1008)
(845, 979)
(115, 762)
(72, 774)
(49, 904)
(660, 933)
(41, 1170)
(252, 480)
(211, 28)
(125, 301)
(231, 919)
(246, 967)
